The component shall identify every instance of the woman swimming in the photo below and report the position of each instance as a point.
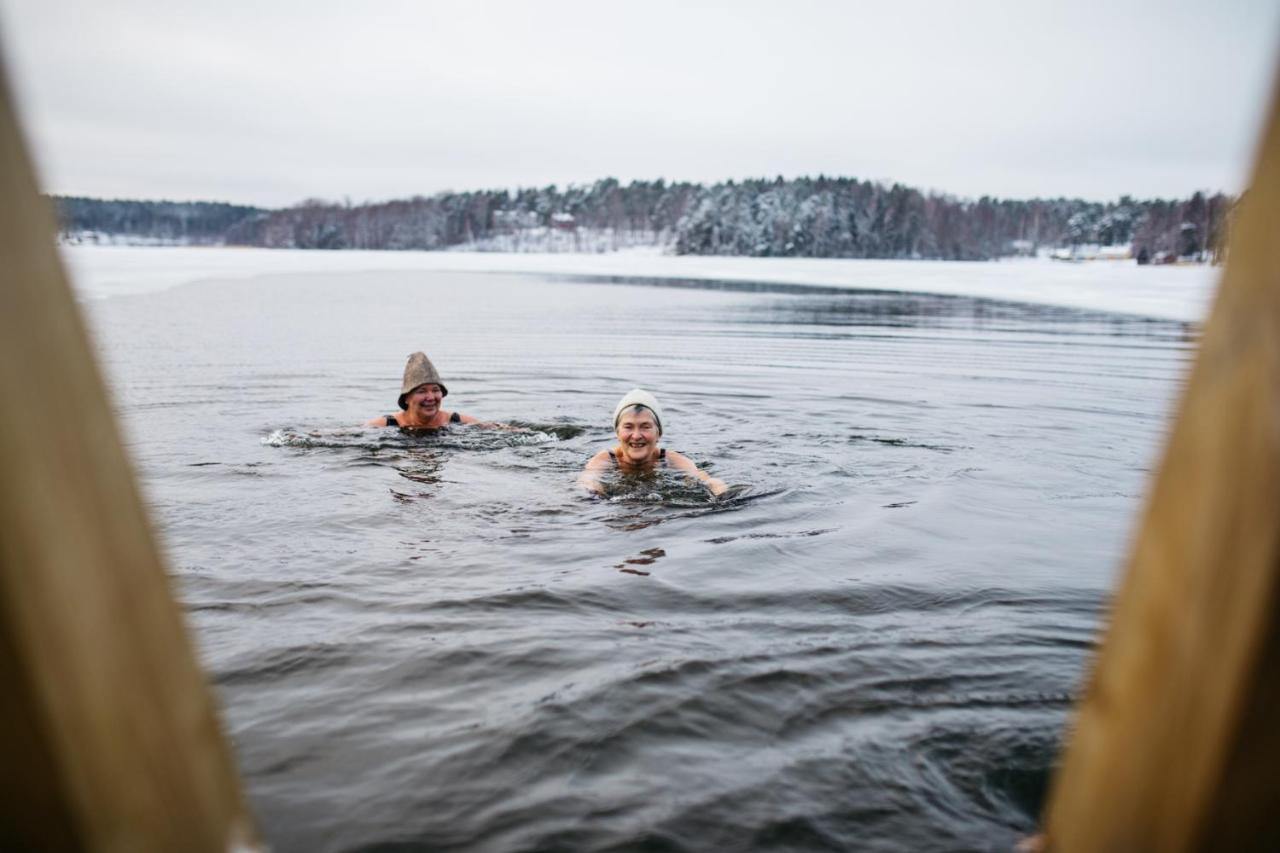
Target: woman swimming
(638, 421)
(421, 394)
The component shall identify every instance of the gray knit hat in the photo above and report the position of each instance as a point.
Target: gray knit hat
(645, 400)
(419, 371)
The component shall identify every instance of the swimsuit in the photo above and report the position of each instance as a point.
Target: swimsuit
(454, 418)
(662, 458)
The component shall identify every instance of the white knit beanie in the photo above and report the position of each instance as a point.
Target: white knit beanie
(638, 397)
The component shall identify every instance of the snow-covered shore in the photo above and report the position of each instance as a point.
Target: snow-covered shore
(1166, 292)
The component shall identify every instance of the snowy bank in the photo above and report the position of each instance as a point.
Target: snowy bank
(1166, 292)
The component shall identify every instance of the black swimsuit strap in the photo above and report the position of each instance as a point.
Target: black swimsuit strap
(454, 418)
(662, 456)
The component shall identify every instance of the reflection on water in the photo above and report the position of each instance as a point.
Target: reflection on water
(439, 642)
(924, 311)
(838, 306)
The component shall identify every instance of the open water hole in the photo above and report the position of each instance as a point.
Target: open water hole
(437, 642)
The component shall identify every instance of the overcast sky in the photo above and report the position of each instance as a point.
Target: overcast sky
(273, 102)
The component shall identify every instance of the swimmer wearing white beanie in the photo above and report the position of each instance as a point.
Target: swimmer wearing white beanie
(637, 420)
(638, 398)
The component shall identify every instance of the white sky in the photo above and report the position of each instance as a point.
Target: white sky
(272, 102)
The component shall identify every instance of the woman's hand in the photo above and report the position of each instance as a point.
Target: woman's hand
(591, 483)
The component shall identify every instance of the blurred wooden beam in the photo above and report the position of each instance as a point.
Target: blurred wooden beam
(1176, 744)
(110, 738)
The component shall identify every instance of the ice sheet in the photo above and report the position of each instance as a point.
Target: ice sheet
(1167, 292)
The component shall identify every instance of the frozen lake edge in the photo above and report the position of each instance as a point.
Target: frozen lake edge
(1178, 293)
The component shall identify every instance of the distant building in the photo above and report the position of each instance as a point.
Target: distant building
(511, 220)
(564, 221)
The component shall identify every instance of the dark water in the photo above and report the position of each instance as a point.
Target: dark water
(436, 642)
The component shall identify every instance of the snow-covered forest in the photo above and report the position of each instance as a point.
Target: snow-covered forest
(805, 217)
(164, 223)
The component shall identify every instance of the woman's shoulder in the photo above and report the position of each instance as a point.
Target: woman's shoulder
(383, 420)
(677, 459)
(601, 459)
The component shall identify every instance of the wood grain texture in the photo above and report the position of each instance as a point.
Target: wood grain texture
(1174, 746)
(111, 740)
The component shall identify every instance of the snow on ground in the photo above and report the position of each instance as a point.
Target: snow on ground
(1166, 292)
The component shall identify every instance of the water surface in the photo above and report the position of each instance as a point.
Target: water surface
(437, 642)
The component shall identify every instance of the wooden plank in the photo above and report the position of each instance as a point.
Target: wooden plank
(1175, 743)
(111, 740)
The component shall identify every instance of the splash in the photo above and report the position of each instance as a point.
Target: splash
(477, 437)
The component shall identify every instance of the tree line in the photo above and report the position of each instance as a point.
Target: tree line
(179, 223)
(804, 217)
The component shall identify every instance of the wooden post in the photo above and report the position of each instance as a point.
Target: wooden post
(1176, 745)
(110, 738)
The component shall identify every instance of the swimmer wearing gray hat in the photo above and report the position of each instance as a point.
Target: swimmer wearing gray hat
(637, 419)
(421, 399)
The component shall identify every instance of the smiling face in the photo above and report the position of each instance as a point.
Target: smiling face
(423, 402)
(638, 435)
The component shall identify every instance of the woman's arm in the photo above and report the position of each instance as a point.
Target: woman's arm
(589, 479)
(468, 419)
(684, 463)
